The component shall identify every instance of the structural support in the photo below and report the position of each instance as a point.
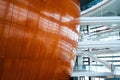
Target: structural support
(90, 73)
(99, 44)
(98, 20)
(104, 63)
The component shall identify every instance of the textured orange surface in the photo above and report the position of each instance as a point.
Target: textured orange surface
(38, 39)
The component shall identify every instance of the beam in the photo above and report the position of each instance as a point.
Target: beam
(100, 52)
(98, 20)
(99, 44)
(90, 73)
(103, 62)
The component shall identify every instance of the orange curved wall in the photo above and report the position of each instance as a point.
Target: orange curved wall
(38, 39)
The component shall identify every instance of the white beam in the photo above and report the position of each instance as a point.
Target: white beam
(99, 44)
(90, 73)
(100, 52)
(98, 20)
(103, 62)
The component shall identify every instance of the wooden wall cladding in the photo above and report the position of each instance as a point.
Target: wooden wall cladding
(38, 39)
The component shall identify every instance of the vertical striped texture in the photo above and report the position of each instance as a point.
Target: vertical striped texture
(38, 39)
